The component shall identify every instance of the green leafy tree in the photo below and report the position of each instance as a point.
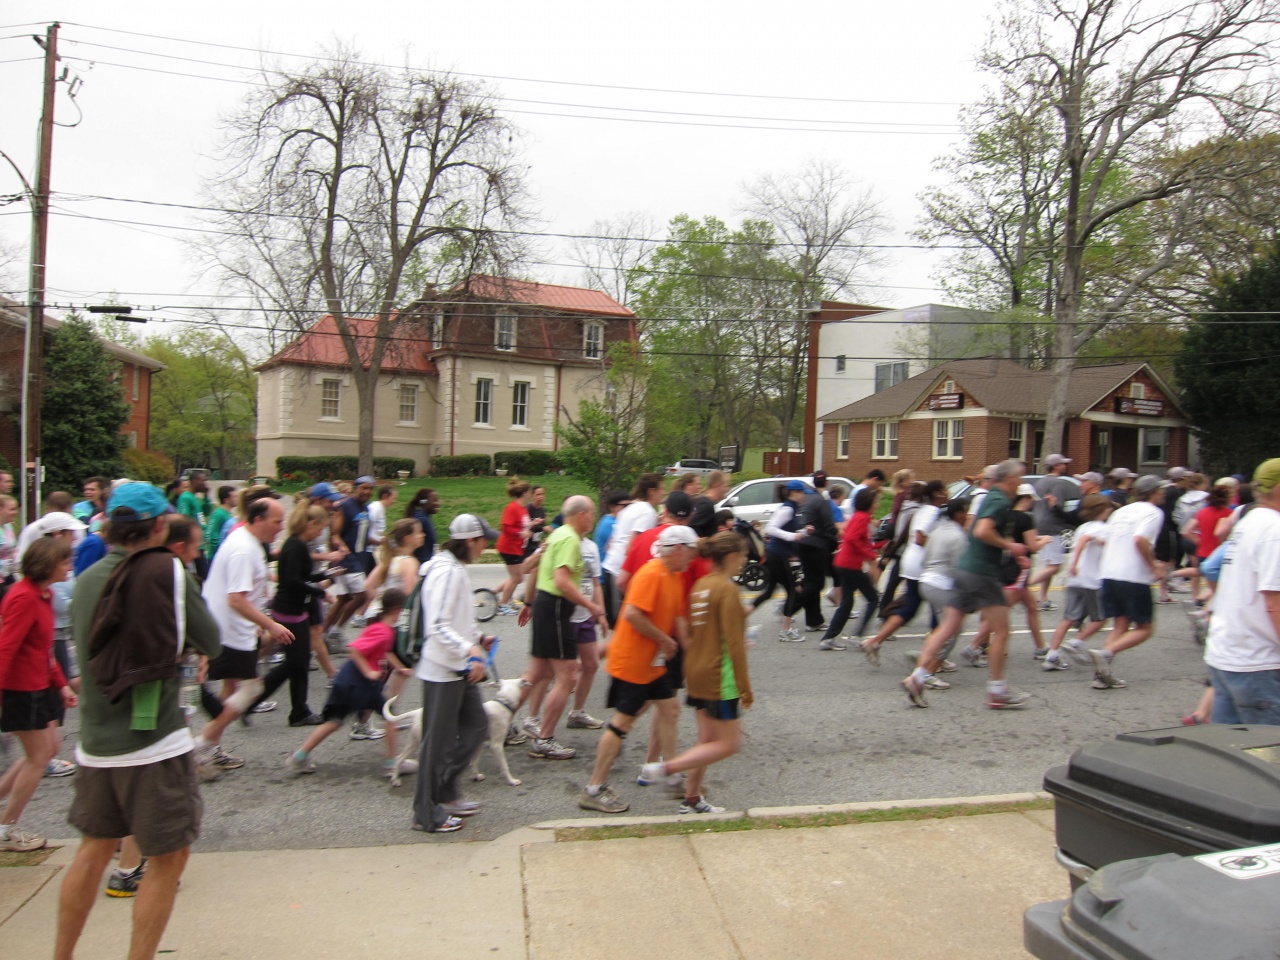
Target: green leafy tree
(82, 410)
(1228, 371)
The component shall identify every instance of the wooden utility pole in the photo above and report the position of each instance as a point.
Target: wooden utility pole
(33, 362)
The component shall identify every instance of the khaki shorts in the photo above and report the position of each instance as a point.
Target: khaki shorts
(158, 803)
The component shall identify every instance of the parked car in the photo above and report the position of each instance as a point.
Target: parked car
(754, 500)
(963, 488)
(701, 467)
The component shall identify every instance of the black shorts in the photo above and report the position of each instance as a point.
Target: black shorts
(158, 803)
(907, 604)
(716, 709)
(512, 559)
(675, 670)
(1168, 546)
(629, 698)
(22, 710)
(352, 692)
(1120, 598)
(555, 636)
(315, 611)
(234, 665)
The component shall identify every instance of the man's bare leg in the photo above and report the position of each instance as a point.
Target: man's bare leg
(154, 904)
(609, 747)
(566, 674)
(79, 892)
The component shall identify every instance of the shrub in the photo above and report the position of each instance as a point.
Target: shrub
(339, 467)
(149, 465)
(388, 467)
(528, 463)
(462, 465)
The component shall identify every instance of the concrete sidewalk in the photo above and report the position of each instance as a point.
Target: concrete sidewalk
(953, 887)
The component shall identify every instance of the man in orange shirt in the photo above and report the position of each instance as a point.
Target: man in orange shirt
(653, 615)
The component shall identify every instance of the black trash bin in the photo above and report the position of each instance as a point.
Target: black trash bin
(1166, 908)
(1184, 790)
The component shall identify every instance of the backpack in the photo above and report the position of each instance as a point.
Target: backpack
(410, 633)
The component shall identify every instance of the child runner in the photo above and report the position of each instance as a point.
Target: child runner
(715, 670)
(358, 686)
(1084, 584)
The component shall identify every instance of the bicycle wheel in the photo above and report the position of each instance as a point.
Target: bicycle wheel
(752, 576)
(486, 604)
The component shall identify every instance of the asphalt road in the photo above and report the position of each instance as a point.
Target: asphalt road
(827, 728)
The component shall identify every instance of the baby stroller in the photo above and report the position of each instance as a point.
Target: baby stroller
(753, 574)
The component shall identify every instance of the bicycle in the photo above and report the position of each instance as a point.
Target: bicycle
(486, 602)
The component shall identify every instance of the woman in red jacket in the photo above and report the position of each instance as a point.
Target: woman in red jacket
(33, 691)
(512, 540)
(855, 557)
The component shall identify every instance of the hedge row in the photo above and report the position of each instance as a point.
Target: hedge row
(339, 468)
(462, 465)
(528, 463)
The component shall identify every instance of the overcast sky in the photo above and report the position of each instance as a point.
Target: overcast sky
(876, 86)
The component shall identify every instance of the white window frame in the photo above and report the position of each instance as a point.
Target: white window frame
(948, 386)
(505, 339)
(948, 440)
(884, 440)
(484, 402)
(893, 368)
(412, 404)
(1137, 391)
(336, 399)
(435, 329)
(1142, 445)
(593, 341)
(842, 441)
(519, 406)
(1018, 434)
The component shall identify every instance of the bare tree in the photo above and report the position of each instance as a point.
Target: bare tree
(615, 252)
(346, 182)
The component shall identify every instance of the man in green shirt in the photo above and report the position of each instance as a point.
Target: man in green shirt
(194, 503)
(137, 773)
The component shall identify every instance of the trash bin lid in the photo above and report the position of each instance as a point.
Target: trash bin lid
(1169, 907)
(1223, 778)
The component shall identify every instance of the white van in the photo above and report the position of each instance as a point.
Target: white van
(754, 500)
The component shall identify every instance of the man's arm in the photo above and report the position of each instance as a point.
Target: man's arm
(1271, 600)
(1148, 554)
(642, 625)
(986, 532)
(568, 588)
(239, 604)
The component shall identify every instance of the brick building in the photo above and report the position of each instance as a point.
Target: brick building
(136, 370)
(955, 418)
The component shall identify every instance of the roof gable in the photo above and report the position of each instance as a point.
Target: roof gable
(322, 346)
(549, 295)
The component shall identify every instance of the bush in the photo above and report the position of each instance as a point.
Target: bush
(462, 465)
(528, 463)
(338, 467)
(149, 465)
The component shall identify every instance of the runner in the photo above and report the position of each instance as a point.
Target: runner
(638, 516)
(947, 543)
(352, 525)
(782, 533)
(515, 534)
(423, 507)
(1084, 584)
(1052, 491)
(815, 550)
(854, 563)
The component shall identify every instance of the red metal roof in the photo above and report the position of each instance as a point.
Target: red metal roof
(322, 346)
(551, 295)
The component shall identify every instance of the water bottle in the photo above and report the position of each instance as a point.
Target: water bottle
(190, 686)
(753, 634)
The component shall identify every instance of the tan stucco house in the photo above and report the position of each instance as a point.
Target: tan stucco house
(488, 366)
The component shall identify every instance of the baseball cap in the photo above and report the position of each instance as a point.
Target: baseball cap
(795, 485)
(324, 491)
(467, 526)
(1091, 476)
(137, 501)
(819, 477)
(1094, 504)
(1026, 490)
(57, 520)
(675, 535)
(1055, 459)
(1177, 473)
(1267, 475)
(679, 504)
(1123, 473)
(1226, 482)
(361, 481)
(1145, 485)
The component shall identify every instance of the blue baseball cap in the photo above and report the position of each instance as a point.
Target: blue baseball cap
(325, 491)
(137, 501)
(796, 485)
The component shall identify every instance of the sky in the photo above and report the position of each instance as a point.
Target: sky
(875, 86)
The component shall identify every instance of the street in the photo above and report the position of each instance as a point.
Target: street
(827, 728)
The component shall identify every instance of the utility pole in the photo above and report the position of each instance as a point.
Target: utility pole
(33, 362)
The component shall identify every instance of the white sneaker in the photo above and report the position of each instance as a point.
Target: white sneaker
(366, 731)
(532, 726)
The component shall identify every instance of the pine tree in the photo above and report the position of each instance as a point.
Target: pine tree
(82, 409)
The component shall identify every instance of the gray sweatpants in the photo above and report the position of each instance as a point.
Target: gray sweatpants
(454, 726)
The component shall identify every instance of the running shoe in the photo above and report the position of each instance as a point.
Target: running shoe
(507, 610)
(700, 806)
(225, 760)
(581, 720)
(650, 773)
(1009, 700)
(915, 691)
(1101, 663)
(606, 801)
(820, 628)
(973, 656)
(790, 636)
(550, 750)
(1046, 605)
(532, 726)
(19, 841)
(1040, 653)
(947, 667)
(933, 683)
(1107, 682)
(121, 884)
(275, 658)
(831, 645)
(300, 764)
(59, 768)
(1078, 652)
(266, 706)
(461, 808)
(1055, 663)
(871, 651)
(311, 720)
(450, 825)
(515, 736)
(366, 731)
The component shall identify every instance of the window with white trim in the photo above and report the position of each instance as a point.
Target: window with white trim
(520, 404)
(408, 403)
(484, 400)
(948, 386)
(842, 441)
(1154, 443)
(505, 334)
(840, 363)
(593, 341)
(887, 374)
(1137, 391)
(948, 439)
(435, 330)
(1017, 440)
(884, 445)
(330, 399)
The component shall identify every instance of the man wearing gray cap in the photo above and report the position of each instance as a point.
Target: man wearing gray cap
(1052, 520)
(1118, 483)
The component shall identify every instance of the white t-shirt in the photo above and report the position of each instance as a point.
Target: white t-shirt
(635, 518)
(1121, 559)
(240, 567)
(1241, 636)
(590, 574)
(377, 522)
(947, 541)
(922, 521)
(1088, 567)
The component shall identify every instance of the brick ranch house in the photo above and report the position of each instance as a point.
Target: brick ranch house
(955, 418)
(488, 366)
(136, 371)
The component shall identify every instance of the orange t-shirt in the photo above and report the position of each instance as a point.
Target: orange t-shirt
(660, 595)
(640, 552)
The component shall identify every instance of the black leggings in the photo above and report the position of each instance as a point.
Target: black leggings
(850, 581)
(297, 664)
(777, 570)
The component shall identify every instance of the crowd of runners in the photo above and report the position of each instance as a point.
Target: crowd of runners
(165, 617)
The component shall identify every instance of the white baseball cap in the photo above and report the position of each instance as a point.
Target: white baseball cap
(467, 526)
(677, 535)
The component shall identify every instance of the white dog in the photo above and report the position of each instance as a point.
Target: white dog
(499, 711)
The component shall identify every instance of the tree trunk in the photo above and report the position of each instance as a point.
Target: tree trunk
(366, 388)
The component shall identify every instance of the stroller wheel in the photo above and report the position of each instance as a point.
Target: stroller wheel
(752, 576)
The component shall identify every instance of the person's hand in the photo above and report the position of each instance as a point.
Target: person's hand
(668, 647)
(1017, 549)
(526, 614)
(404, 671)
(476, 673)
(487, 642)
(746, 700)
(801, 534)
(596, 609)
(69, 698)
(1050, 499)
(202, 669)
(279, 632)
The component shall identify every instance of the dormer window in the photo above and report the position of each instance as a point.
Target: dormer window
(1137, 391)
(505, 334)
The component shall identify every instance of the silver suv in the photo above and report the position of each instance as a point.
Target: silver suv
(754, 500)
(701, 467)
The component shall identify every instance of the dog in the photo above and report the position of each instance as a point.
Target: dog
(500, 711)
